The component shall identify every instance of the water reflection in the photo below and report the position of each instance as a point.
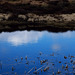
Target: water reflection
(24, 50)
(25, 37)
(56, 47)
(19, 38)
(68, 34)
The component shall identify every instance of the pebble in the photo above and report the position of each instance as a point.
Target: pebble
(65, 57)
(21, 58)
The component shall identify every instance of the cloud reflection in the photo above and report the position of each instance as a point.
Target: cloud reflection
(25, 37)
(56, 47)
(19, 38)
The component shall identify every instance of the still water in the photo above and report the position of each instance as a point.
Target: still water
(35, 52)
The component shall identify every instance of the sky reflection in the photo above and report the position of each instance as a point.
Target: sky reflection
(25, 37)
(53, 46)
(19, 38)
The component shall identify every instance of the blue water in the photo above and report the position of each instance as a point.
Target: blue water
(36, 46)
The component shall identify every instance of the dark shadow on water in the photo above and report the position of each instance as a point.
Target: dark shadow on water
(49, 29)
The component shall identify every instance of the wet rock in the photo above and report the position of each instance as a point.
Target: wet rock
(27, 62)
(72, 56)
(65, 63)
(65, 57)
(21, 58)
(71, 60)
(35, 72)
(66, 66)
(13, 68)
(16, 59)
(74, 73)
(59, 61)
(58, 72)
(53, 64)
(40, 53)
(26, 57)
(22, 16)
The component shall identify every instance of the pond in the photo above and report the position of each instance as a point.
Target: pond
(35, 52)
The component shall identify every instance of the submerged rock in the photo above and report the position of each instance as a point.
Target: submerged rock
(65, 57)
(26, 57)
(21, 58)
(66, 68)
(13, 68)
(58, 72)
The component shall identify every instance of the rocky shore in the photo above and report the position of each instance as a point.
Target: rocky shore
(53, 16)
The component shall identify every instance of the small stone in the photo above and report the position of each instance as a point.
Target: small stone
(16, 59)
(12, 68)
(58, 72)
(21, 58)
(59, 61)
(65, 57)
(71, 60)
(41, 62)
(27, 62)
(40, 53)
(26, 57)
(66, 66)
(72, 56)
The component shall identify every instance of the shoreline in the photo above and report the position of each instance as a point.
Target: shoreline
(31, 21)
(52, 27)
(52, 16)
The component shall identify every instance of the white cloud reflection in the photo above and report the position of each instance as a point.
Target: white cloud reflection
(19, 38)
(25, 37)
(56, 47)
